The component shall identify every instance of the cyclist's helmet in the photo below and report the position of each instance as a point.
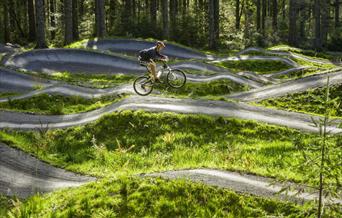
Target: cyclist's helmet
(160, 43)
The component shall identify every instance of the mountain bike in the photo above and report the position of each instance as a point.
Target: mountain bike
(175, 78)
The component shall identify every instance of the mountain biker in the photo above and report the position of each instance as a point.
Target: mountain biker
(148, 57)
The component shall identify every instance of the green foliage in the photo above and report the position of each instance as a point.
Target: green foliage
(153, 197)
(58, 104)
(311, 101)
(258, 66)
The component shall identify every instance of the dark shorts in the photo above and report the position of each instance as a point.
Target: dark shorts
(143, 62)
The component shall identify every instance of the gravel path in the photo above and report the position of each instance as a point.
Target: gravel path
(132, 46)
(257, 58)
(19, 82)
(255, 185)
(300, 121)
(293, 86)
(23, 175)
(288, 54)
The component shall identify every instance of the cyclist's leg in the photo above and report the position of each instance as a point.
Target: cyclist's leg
(152, 69)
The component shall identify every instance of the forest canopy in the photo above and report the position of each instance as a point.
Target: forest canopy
(213, 24)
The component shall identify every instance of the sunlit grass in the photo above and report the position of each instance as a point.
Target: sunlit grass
(154, 197)
(311, 101)
(258, 66)
(58, 104)
(139, 142)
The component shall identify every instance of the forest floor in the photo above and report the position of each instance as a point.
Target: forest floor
(216, 154)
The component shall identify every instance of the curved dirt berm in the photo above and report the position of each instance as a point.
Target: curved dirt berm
(77, 60)
(133, 46)
(23, 175)
(72, 60)
(70, 90)
(300, 121)
(293, 86)
(250, 184)
(11, 81)
(257, 58)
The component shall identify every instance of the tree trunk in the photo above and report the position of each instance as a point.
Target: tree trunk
(317, 41)
(211, 13)
(68, 22)
(173, 17)
(237, 14)
(263, 16)
(284, 9)
(32, 21)
(324, 21)
(337, 14)
(275, 15)
(217, 19)
(153, 14)
(126, 17)
(112, 15)
(7, 37)
(40, 17)
(293, 23)
(81, 8)
(100, 18)
(303, 19)
(75, 33)
(165, 11)
(15, 19)
(52, 19)
(258, 16)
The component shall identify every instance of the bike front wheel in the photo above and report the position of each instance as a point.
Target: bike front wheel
(143, 85)
(176, 78)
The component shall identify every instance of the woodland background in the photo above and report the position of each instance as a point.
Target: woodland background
(208, 24)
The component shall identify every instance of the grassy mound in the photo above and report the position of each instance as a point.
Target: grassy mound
(57, 104)
(311, 101)
(258, 66)
(7, 94)
(138, 142)
(99, 81)
(210, 90)
(153, 197)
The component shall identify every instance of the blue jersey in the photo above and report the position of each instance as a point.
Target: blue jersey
(150, 53)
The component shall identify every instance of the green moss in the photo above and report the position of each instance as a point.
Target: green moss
(258, 66)
(57, 104)
(154, 197)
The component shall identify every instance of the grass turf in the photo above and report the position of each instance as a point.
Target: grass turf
(8, 94)
(154, 197)
(311, 101)
(99, 81)
(58, 104)
(258, 66)
(139, 142)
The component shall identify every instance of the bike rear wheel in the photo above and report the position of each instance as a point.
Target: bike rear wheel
(143, 85)
(176, 78)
